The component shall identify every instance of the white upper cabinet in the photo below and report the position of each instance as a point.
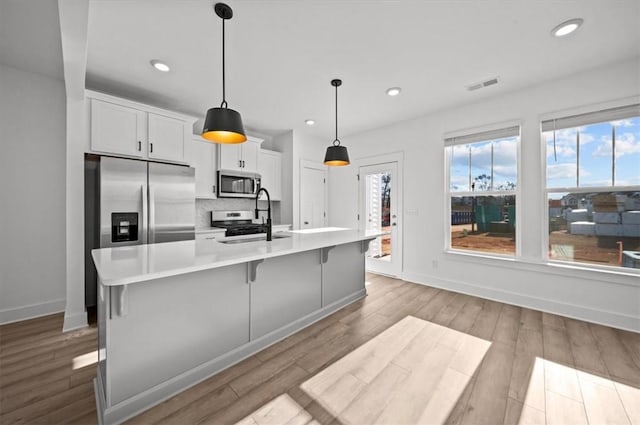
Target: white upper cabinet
(166, 138)
(270, 169)
(229, 157)
(125, 128)
(241, 156)
(116, 129)
(249, 155)
(202, 157)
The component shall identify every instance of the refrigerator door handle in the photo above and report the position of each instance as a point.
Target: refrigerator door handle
(152, 215)
(143, 219)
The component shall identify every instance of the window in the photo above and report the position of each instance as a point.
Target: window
(593, 187)
(482, 185)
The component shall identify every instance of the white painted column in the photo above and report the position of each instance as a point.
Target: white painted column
(74, 18)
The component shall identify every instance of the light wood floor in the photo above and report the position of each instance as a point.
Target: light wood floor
(521, 366)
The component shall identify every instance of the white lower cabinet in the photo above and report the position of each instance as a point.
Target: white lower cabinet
(201, 155)
(208, 236)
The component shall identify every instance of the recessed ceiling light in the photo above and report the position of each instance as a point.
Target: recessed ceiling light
(394, 91)
(567, 27)
(160, 66)
(309, 122)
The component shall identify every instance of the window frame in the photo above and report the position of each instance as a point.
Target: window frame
(545, 191)
(517, 255)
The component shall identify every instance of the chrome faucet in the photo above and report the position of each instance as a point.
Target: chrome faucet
(268, 210)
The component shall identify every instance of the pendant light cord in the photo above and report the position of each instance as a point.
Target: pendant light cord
(336, 142)
(224, 97)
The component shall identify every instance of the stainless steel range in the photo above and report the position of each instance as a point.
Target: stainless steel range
(236, 222)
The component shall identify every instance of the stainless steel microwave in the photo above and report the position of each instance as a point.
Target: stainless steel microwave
(237, 184)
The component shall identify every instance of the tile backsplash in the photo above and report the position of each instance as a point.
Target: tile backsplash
(203, 206)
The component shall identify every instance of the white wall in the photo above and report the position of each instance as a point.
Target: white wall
(306, 148)
(295, 148)
(32, 176)
(590, 295)
(284, 143)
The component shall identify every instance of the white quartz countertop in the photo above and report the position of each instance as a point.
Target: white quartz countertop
(139, 263)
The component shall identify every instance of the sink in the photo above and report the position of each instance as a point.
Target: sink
(262, 237)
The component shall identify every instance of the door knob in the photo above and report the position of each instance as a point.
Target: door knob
(393, 224)
(306, 222)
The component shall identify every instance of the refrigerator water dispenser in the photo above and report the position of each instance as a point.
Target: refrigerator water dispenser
(124, 227)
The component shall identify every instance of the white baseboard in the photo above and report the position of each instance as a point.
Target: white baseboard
(31, 311)
(602, 317)
(74, 321)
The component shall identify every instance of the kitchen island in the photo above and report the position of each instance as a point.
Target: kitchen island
(171, 315)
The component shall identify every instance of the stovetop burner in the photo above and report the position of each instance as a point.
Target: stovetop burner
(236, 222)
(241, 229)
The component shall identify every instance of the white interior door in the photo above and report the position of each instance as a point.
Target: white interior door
(312, 197)
(380, 190)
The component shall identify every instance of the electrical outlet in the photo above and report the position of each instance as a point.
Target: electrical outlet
(434, 263)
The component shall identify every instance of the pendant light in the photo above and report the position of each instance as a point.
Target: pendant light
(223, 125)
(336, 155)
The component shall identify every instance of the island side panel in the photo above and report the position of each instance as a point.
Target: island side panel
(343, 274)
(174, 324)
(286, 289)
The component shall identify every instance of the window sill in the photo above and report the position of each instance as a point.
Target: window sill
(557, 268)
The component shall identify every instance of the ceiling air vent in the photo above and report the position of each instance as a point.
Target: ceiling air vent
(481, 84)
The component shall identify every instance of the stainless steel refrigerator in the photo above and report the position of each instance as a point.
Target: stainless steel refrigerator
(131, 202)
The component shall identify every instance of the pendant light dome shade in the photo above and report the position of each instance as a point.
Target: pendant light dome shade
(336, 155)
(223, 125)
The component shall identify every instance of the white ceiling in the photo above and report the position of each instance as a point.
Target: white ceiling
(282, 55)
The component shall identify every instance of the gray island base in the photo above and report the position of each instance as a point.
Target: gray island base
(159, 336)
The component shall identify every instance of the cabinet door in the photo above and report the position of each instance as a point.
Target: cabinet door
(269, 167)
(166, 138)
(116, 129)
(249, 156)
(229, 157)
(202, 158)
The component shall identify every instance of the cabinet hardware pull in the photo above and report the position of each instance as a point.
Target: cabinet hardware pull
(213, 189)
(151, 145)
(139, 145)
